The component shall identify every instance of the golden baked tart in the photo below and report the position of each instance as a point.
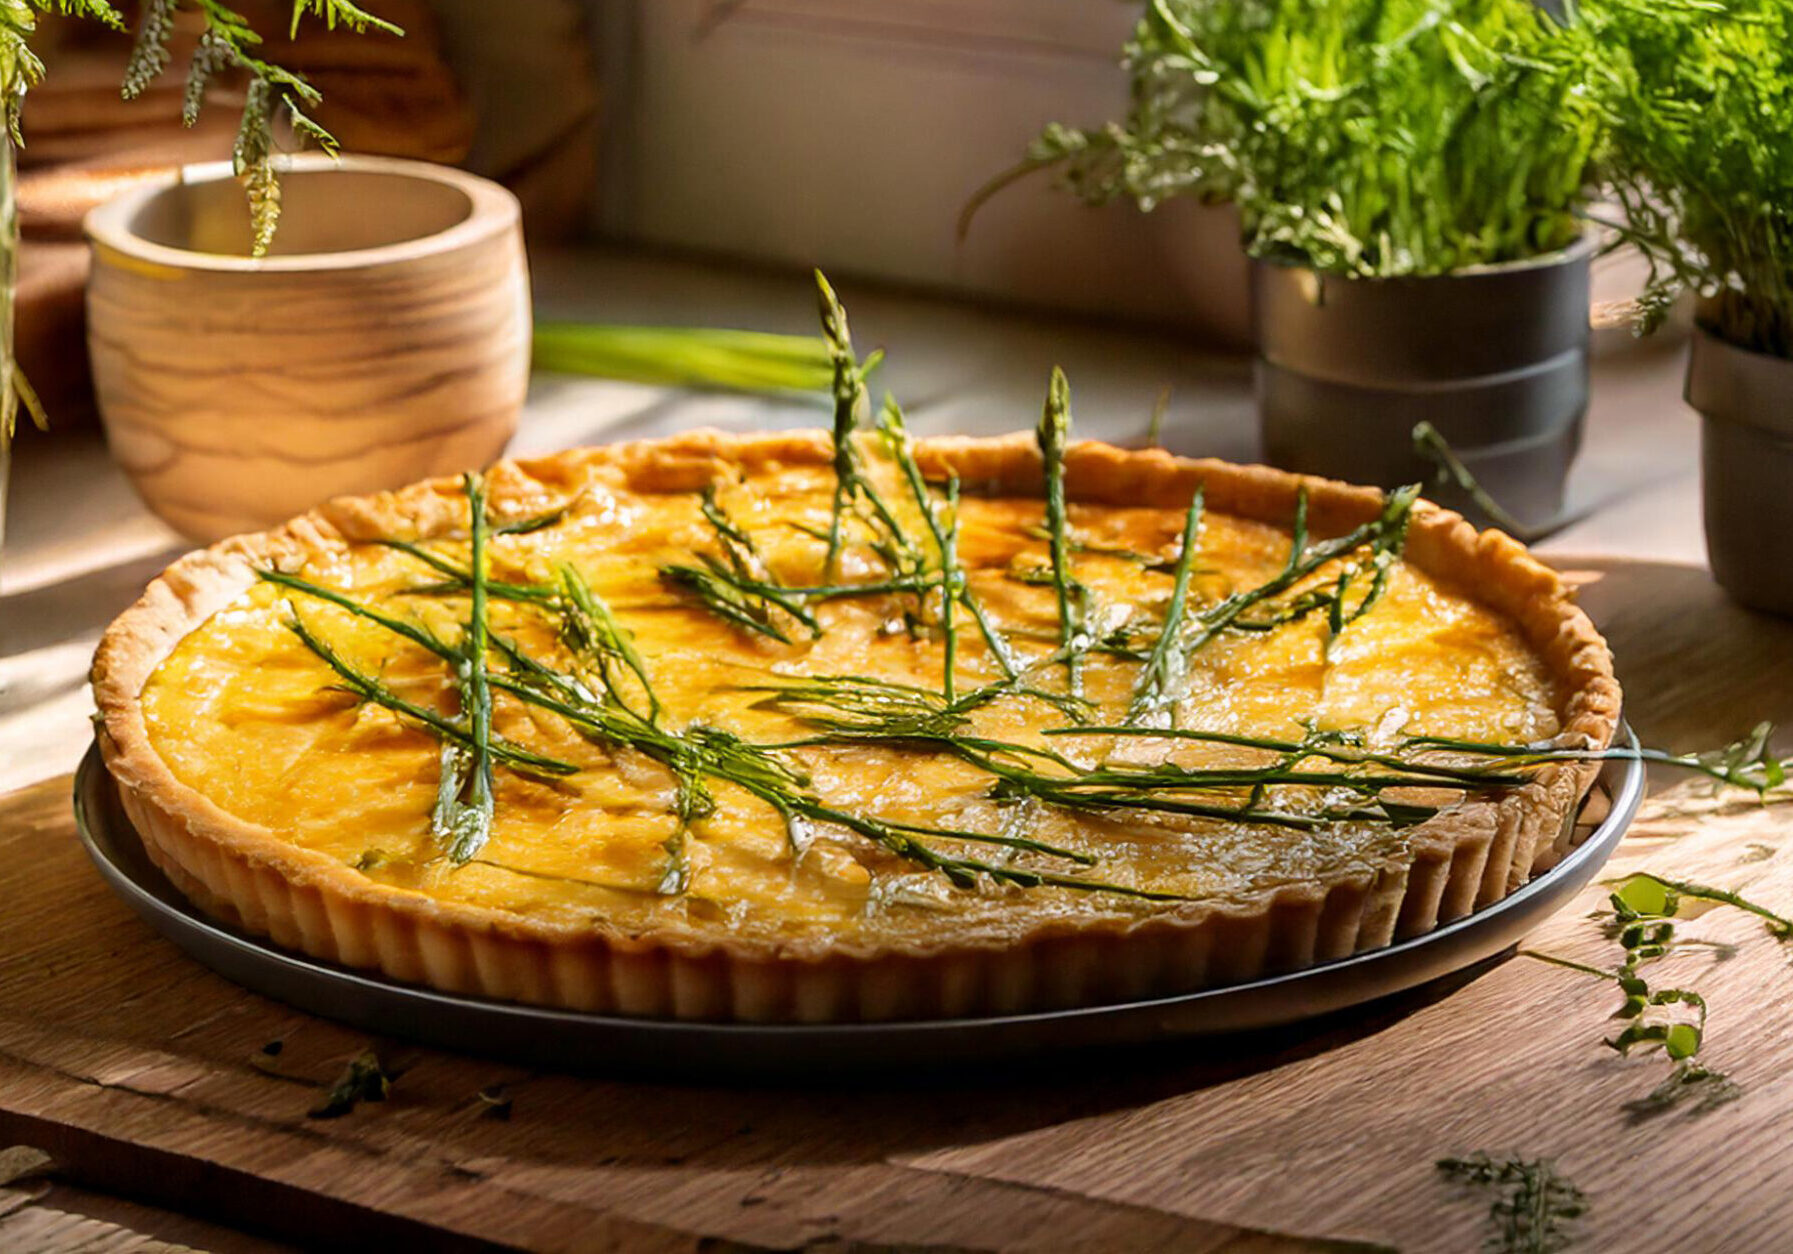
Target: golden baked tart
(810, 728)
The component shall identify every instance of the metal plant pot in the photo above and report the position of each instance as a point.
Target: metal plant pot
(1496, 358)
(1745, 401)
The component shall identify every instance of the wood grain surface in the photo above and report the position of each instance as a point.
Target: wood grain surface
(385, 340)
(133, 1066)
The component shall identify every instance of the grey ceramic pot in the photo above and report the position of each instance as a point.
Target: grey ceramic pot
(1496, 358)
(1745, 401)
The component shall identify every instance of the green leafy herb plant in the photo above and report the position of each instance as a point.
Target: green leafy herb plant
(1364, 138)
(1700, 93)
(226, 42)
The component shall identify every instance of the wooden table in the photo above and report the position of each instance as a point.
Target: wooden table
(141, 1073)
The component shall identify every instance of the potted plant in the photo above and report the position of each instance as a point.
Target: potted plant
(1410, 179)
(226, 42)
(1702, 97)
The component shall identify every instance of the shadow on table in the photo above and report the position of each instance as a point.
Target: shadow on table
(76, 608)
(829, 1115)
(191, 1049)
(48, 633)
(645, 1129)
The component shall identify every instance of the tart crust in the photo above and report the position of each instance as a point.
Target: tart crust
(1465, 857)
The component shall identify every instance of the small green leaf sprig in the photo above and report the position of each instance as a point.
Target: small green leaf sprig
(227, 42)
(20, 67)
(1644, 909)
(1535, 1207)
(1700, 93)
(365, 1078)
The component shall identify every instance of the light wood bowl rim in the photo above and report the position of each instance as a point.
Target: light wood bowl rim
(494, 210)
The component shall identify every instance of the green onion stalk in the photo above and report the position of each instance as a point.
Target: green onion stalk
(700, 357)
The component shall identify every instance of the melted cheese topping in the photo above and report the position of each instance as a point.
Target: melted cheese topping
(243, 712)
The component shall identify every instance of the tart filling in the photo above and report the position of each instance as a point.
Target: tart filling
(810, 727)
(249, 712)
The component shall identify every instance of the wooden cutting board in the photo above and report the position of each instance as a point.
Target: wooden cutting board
(144, 1074)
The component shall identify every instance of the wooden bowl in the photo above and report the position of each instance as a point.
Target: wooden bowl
(384, 339)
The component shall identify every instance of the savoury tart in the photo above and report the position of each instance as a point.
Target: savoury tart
(733, 729)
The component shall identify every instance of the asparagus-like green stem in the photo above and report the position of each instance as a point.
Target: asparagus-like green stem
(1758, 773)
(1432, 446)
(1569, 963)
(1023, 843)
(594, 629)
(948, 541)
(849, 400)
(1295, 751)
(1386, 531)
(457, 579)
(719, 591)
(414, 632)
(368, 688)
(955, 585)
(538, 522)
(469, 824)
(1158, 677)
(676, 878)
(1054, 431)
